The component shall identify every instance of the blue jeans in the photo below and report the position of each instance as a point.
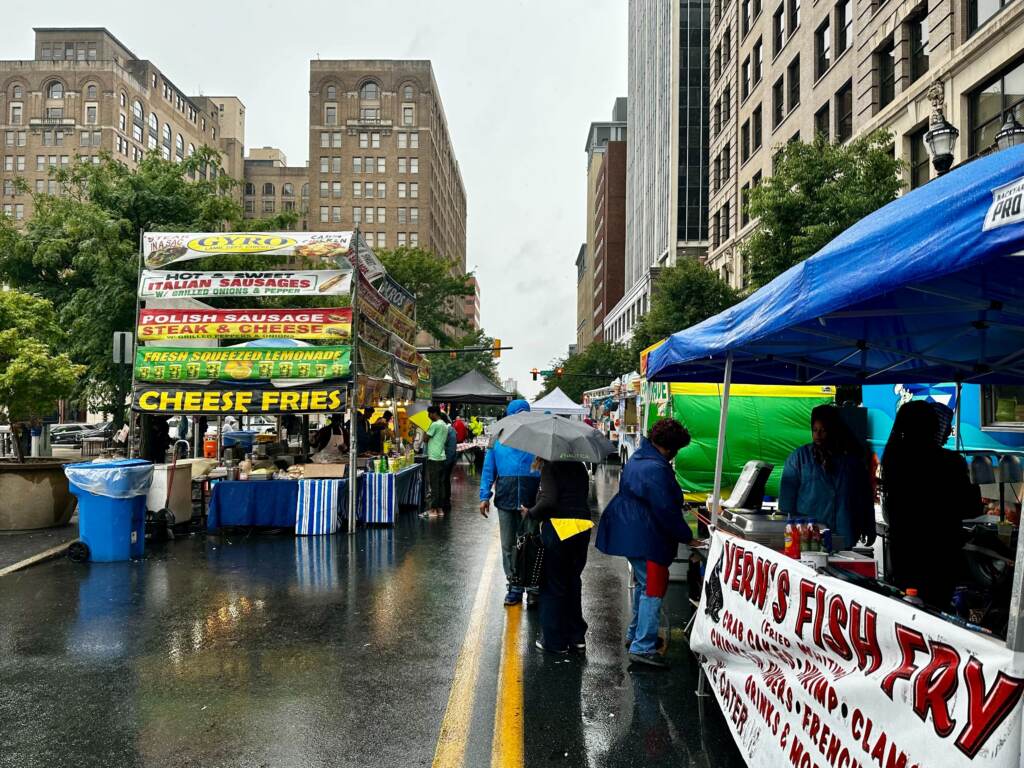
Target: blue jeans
(643, 629)
(508, 525)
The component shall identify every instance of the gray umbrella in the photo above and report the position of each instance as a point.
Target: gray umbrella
(553, 438)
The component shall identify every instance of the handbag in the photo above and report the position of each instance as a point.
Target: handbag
(528, 564)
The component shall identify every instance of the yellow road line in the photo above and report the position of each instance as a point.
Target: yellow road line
(451, 742)
(507, 744)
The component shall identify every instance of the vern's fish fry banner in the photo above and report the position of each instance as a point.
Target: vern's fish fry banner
(814, 671)
(163, 324)
(207, 285)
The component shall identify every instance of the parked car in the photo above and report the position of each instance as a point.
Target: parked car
(104, 429)
(68, 434)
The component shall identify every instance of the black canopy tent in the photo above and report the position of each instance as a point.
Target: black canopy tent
(472, 388)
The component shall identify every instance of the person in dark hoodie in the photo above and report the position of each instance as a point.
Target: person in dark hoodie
(644, 523)
(514, 482)
(564, 493)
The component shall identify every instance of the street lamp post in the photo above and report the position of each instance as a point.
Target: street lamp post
(941, 137)
(1011, 134)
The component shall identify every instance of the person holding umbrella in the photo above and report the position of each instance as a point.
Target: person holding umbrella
(644, 523)
(563, 509)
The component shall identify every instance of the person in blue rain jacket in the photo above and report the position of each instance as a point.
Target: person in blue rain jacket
(515, 483)
(644, 523)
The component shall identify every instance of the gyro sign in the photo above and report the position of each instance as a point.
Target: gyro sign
(161, 248)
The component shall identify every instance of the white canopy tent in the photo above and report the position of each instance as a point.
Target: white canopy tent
(557, 403)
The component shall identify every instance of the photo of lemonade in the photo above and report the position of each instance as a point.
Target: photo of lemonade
(304, 370)
(174, 369)
(145, 372)
(213, 369)
(192, 370)
(321, 370)
(285, 368)
(266, 369)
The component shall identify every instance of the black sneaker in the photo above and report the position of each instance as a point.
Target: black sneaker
(532, 599)
(650, 659)
(540, 644)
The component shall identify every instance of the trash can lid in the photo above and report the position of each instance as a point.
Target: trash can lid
(112, 464)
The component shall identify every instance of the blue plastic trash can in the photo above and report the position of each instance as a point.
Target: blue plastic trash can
(111, 507)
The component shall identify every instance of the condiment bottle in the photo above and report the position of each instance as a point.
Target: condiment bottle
(910, 596)
(792, 539)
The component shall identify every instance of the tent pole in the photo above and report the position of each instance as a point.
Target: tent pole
(353, 418)
(716, 496)
(1015, 632)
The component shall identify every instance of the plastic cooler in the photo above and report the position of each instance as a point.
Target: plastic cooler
(243, 438)
(111, 508)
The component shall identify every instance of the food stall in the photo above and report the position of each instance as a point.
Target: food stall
(809, 667)
(313, 360)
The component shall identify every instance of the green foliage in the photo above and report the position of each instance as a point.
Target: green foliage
(32, 375)
(682, 295)
(444, 369)
(594, 367)
(816, 191)
(438, 292)
(80, 250)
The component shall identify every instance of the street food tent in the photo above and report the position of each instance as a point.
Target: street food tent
(929, 288)
(558, 403)
(471, 388)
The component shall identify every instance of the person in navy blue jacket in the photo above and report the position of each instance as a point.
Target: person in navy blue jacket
(644, 523)
(515, 482)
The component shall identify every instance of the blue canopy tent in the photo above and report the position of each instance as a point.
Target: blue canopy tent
(929, 288)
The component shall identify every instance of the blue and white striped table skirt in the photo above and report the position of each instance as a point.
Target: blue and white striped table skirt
(377, 498)
(316, 512)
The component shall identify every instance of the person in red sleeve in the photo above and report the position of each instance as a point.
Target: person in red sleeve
(461, 430)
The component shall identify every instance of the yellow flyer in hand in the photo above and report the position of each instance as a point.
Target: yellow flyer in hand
(567, 527)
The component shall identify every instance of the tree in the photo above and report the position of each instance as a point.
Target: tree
(594, 367)
(438, 292)
(444, 369)
(682, 295)
(816, 191)
(80, 250)
(33, 376)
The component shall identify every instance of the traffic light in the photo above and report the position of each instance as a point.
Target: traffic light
(559, 372)
(497, 349)
(534, 372)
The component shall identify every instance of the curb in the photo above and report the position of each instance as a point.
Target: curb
(39, 557)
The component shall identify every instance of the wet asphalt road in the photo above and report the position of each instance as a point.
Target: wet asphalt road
(266, 650)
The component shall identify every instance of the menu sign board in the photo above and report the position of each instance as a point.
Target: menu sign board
(150, 398)
(209, 285)
(241, 363)
(162, 324)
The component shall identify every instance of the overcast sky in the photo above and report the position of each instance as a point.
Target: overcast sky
(520, 83)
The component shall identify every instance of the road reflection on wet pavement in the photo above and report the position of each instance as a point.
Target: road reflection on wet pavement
(251, 649)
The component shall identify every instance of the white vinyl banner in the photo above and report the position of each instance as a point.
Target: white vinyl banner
(814, 672)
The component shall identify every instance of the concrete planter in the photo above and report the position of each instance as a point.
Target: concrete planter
(34, 495)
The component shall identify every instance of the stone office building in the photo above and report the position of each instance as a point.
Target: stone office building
(789, 69)
(82, 92)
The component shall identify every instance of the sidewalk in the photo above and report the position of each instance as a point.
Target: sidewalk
(20, 545)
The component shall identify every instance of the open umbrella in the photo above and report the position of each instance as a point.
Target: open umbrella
(553, 438)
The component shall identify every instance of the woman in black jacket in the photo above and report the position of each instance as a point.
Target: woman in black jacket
(564, 492)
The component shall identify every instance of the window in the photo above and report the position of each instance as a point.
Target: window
(401, 239)
(137, 132)
(335, 214)
(122, 123)
(718, 62)
(369, 114)
(727, 44)
(17, 92)
(268, 189)
(744, 202)
(55, 113)
(55, 90)
(778, 30)
(305, 190)
(755, 120)
(382, 189)
(844, 112)
(745, 142)
(414, 239)
(250, 206)
(745, 78)
(268, 206)
(336, 189)
(382, 165)
(90, 91)
(382, 241)
(794, 15)
(403, 165)
(9, 163)
(325, 188)
(403, 140)
(414, 189)
(725, 220)
(793, 75)
(357, 165)
(408, 116)
(250, 188)
(989, 105)
(920, 163)
(357, 215)
(821, 122)
(402, 215)
(716, 179)
(980, 11)
(288, 205)
(90, 114)
(414, 140)
(336, 140)
(369, 92)
(364, 141)
(325, 140)
(381, 215)
(726, 162)
(407, 93)
(745, 17)
(288, 189)
(375, 141)
(325, 165)
(331, 93)
(368, 215)
(401, 189)
(757, 8)
(324, 214)
(726, 105)
(357, 189)
(822, 49)
(414, 215)
(716, 230)
(368, 164)
(335, 165)
(40, 186)
(16, 114)
(778, 102)
(758, 61)
(137, 110)
(368, 189)
(330, 114)
(886, 63)
(918, 34)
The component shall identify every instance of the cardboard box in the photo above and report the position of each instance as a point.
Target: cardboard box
(319, 471)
